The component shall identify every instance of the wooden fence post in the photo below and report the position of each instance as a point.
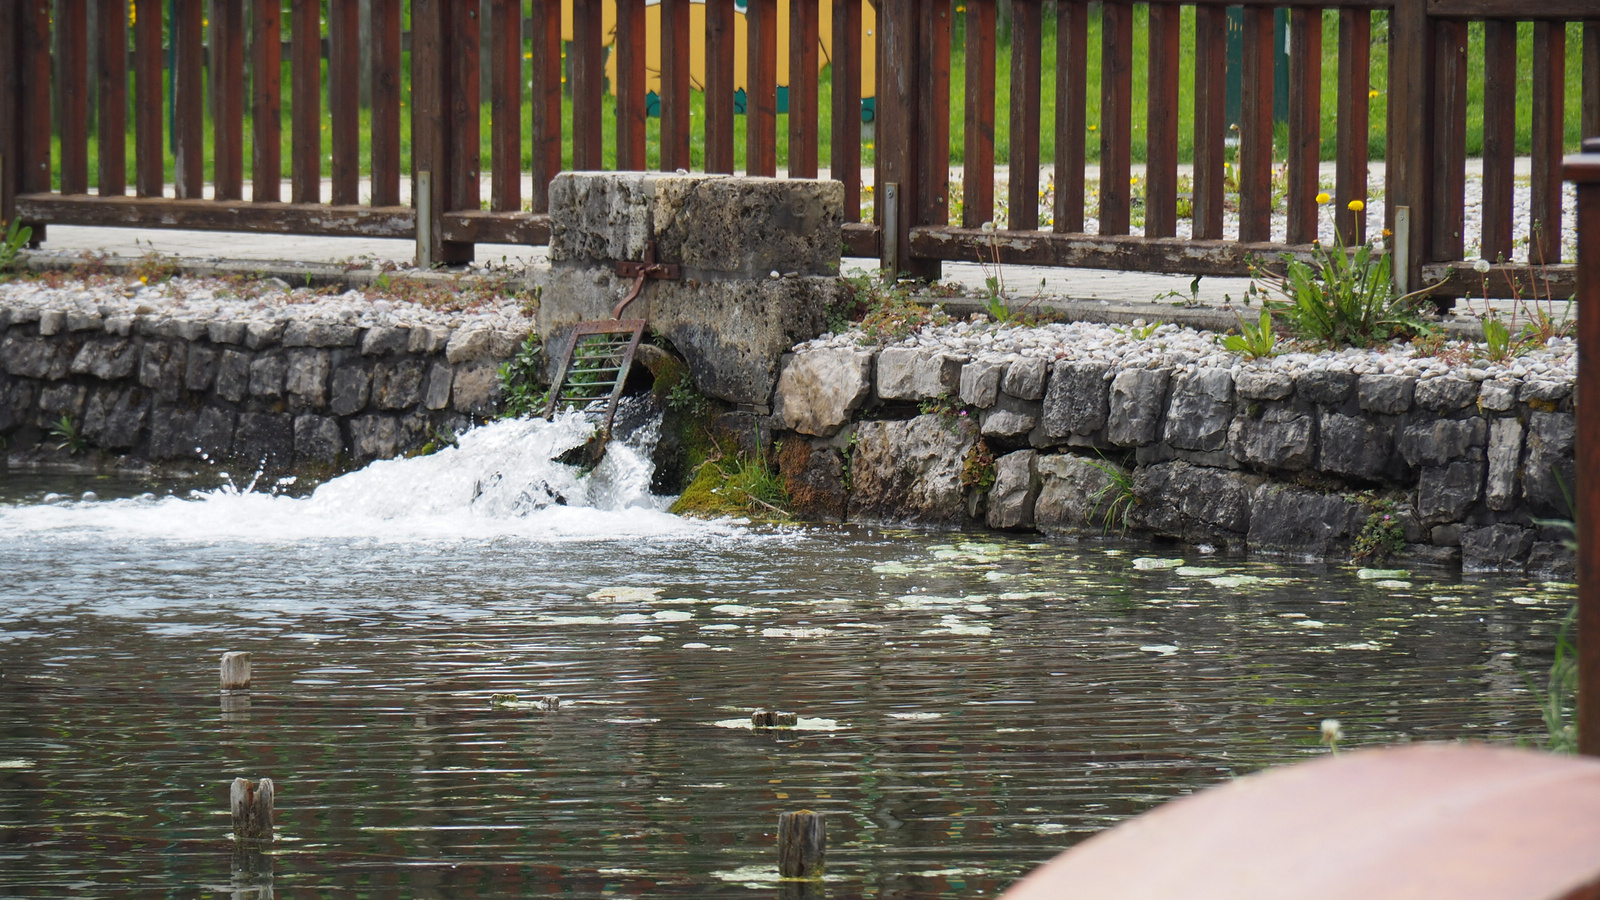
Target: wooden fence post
(1585, 170)
(10, 111)
(899, 133)
(251, 805)
(1409, 153)
(802, 842)
(434, 86)
(236, 671)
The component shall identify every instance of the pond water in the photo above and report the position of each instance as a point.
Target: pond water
(969, 704)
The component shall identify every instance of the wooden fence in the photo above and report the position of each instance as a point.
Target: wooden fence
(43, 101)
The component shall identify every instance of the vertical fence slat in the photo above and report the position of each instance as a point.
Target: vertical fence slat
(933, 115)
(1549, 96)
(719, 88)
(1305, 122)
(1355, 63)
(675, 85)
(1587, 461)
(1027, 50)
(463, 113)
(977, 172)
(588, 76)
(305, 74)
(1449, 139)
(545, 101)
(344, 99)
(72, 27)
(1591, 79)
(505, 101)
(227, 61)
(386, 102)
(1210, 119)
(189, 100)
(437, 93)
(111, 68)
(1409, 152)
(266, 101)
(631, 111)
(35, 96)
(1116, 117)
(803, 44)
(149, 163)
(1161, 169)
(1255, 128)
(761, 88)
(10, 109)
(845, 159)
(1072, 101)
(1499, 138)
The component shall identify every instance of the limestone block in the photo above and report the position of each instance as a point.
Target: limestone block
(1016, 486)
(351, 383)
(980, 382)
(307, 377)
(1553, 560)
(1200, 411)
(1353, 446)
(317, 439)
(908, 373)
(1009, 417)
(34, 358)
(122, 326)
(1497, 396)
(1546, 392)
(1077, 400)
(213, 432)
(1263, 384)
(1299, 521)
(84, 321)
(813, 477)
(267, 374)
(200, 369)
(108, 359)
(52, 322)
(114, 417)
(818, 390)
(373, 437)
(436, 393)
(1325, 388)
(170, 429)
(16, 401)
(473, 341)
(1192, 502)
(383, 339)
(1445, 394)
(260, 334)
(476, 390)
(398, 384)
(161, 368)
(1549, 475)
(1496, 548)
(1282, 438)
(731, 333)
(1437, 442)
(1025, 378)
(1135, 406)
(226, 332)
(57, 400)
(742, 226)
(1386, 394)
(233, 375)
(265, 440)
(1074, 496)
(910, 471)
(1446, 493)
(306, 333)
(1505, 457)
(429, 338)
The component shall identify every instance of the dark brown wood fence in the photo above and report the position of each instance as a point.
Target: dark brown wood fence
(45, 118)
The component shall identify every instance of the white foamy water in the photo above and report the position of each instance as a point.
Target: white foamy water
(500, 482)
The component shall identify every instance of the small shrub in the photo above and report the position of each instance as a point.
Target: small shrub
(883, 313)
(520, 392)
(1257, 341)
(68, 437)
(977, 469)
(742, 485)
(1113, 504)
(153, 268)
(1381, 537)
(17, 236)
(1341, 298)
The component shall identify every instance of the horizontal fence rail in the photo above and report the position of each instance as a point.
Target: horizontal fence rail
(377, 118)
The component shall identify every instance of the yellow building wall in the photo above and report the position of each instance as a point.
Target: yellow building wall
(697, 32)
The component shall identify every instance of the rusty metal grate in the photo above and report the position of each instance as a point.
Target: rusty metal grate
(595, 368)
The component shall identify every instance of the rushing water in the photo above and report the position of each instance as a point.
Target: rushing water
(969, 705)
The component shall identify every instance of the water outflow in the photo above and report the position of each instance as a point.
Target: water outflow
(501, 480)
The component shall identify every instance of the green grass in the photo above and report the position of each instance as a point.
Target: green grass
(1002, 113)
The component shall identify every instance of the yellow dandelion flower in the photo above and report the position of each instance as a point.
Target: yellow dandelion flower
(1374, 94)
(1355, 206)
(1387, 233)
(1323, 197)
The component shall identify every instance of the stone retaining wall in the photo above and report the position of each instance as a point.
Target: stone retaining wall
(284, 392)
(1245, 458)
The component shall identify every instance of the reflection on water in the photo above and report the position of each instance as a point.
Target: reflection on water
(973, 705)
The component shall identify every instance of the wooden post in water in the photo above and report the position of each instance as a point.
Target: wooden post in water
(771, 718)
(236, 671)
(251, 804)
(802, 841)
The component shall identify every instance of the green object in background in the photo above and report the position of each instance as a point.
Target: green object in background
(1235, 66)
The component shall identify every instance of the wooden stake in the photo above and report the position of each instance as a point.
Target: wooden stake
(771, 718)
(802, 841)
(235, 671)
(251, 804)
